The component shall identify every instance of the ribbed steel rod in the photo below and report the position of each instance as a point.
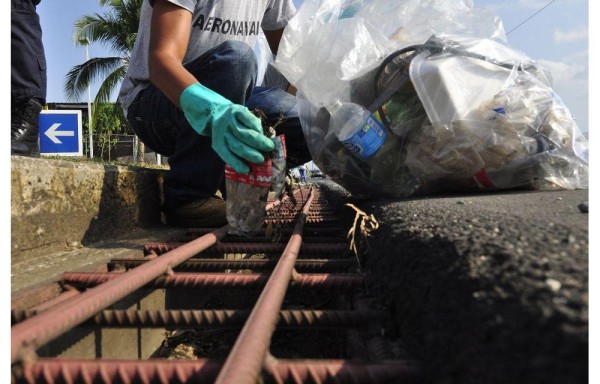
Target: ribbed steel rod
(155, 371)
(313, 220)
(295, 319)
(274, 203)
(215, 265)
(315, 249)
(246, 359)
(184, 280)
(328, 281)
(322, 239)
(160, 371)
(285, 231)
(64, 297)
(52, 323)
(292, 212)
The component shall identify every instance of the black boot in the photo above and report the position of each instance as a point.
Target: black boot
(25, 126)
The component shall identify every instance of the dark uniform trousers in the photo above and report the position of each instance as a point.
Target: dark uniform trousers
(28, 62)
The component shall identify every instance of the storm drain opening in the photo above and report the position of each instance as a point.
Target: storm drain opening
(287, 305)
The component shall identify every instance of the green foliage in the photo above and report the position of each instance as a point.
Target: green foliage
(109, 118)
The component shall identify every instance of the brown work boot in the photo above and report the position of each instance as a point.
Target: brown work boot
(208, 212)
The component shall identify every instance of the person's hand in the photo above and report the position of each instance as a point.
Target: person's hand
(237, 135)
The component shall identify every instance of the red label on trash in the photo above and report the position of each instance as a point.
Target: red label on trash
(282, 138)
(483, 180)
(260, 174)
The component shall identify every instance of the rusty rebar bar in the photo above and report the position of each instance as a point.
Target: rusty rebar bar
(292, 212)
(215, 265)
(322, 239)
(316, 231)
(155, 371)
(37, 331)
(312, 220)
(314, 248)
(161, 371)
(183, 280)
(289, 319)
(246, 359)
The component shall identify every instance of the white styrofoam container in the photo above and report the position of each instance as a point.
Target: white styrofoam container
(453, 87)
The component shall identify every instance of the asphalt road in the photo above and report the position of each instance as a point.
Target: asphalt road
(484, 288)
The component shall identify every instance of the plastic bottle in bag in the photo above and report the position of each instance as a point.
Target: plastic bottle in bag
(405, 113)
(369, 141)
(358, 130)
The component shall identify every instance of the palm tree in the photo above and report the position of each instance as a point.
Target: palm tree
(116, 28)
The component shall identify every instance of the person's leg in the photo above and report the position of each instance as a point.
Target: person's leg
(28, 76)
(280, 106)
(196, 171)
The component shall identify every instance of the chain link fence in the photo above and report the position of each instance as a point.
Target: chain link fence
(121, 148)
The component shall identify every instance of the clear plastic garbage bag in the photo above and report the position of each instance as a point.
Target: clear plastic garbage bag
(400, 98)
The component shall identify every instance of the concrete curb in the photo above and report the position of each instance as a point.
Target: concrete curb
(58, 204)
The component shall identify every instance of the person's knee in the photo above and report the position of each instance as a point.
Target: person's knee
(240, 53)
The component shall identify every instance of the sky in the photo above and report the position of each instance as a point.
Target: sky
(57, 18)
(557, 37)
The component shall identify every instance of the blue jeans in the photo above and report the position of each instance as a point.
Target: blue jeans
(196, 171)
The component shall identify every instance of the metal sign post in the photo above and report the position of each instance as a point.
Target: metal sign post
(89, 108)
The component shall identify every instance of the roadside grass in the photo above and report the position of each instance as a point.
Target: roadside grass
(104, 162)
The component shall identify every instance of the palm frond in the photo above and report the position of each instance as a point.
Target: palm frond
(103, 29)
(112, 28)
(107, 87)
(117, 29)
(80, 76)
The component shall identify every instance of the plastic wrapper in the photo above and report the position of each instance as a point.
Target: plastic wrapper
(264, 57)
(267, 75)
(246, 198)
(247, 194)
(444, 102)
(279, 169)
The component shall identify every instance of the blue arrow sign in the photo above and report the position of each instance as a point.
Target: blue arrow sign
(61, 133)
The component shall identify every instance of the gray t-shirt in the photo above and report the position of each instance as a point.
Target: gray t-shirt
(213, 22)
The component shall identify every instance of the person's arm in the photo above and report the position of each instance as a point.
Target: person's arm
(274, 38)
(170, 33)
(237, 135)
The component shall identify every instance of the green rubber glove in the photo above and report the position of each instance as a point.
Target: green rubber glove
(237, 134)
